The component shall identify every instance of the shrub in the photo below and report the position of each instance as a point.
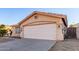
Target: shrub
(3, 32)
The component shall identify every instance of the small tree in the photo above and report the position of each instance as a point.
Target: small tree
(2, 26)
(3, 31)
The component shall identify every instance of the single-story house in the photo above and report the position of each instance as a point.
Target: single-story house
(42, 25)
(15, 30)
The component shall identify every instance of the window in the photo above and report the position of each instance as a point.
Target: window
(35, 17)
(17, 30)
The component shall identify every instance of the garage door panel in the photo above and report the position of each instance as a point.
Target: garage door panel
(47, 31)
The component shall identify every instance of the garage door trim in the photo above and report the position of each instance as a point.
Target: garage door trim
(42, 30)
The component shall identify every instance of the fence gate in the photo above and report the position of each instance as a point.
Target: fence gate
(71, 33)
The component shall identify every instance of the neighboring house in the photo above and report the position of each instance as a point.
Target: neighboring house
(42, 25)
(73, 31)
(77, 30)
(74, 25)
(15, 30)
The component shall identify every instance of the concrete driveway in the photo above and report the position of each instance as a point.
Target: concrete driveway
(27, 45)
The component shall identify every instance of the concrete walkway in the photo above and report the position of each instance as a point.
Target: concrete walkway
(27, 45)
(68, 45)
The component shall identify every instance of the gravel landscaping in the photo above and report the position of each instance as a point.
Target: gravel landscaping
(67, 45)
(5, 39)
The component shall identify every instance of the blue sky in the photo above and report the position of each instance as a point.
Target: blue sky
(11, 16)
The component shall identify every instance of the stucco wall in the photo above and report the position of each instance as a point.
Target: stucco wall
(40, 18)
(60, 34)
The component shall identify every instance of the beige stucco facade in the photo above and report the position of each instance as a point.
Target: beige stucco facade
(40, 18)
(44, 19)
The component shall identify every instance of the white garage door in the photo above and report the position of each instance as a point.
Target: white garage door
(47, 31)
